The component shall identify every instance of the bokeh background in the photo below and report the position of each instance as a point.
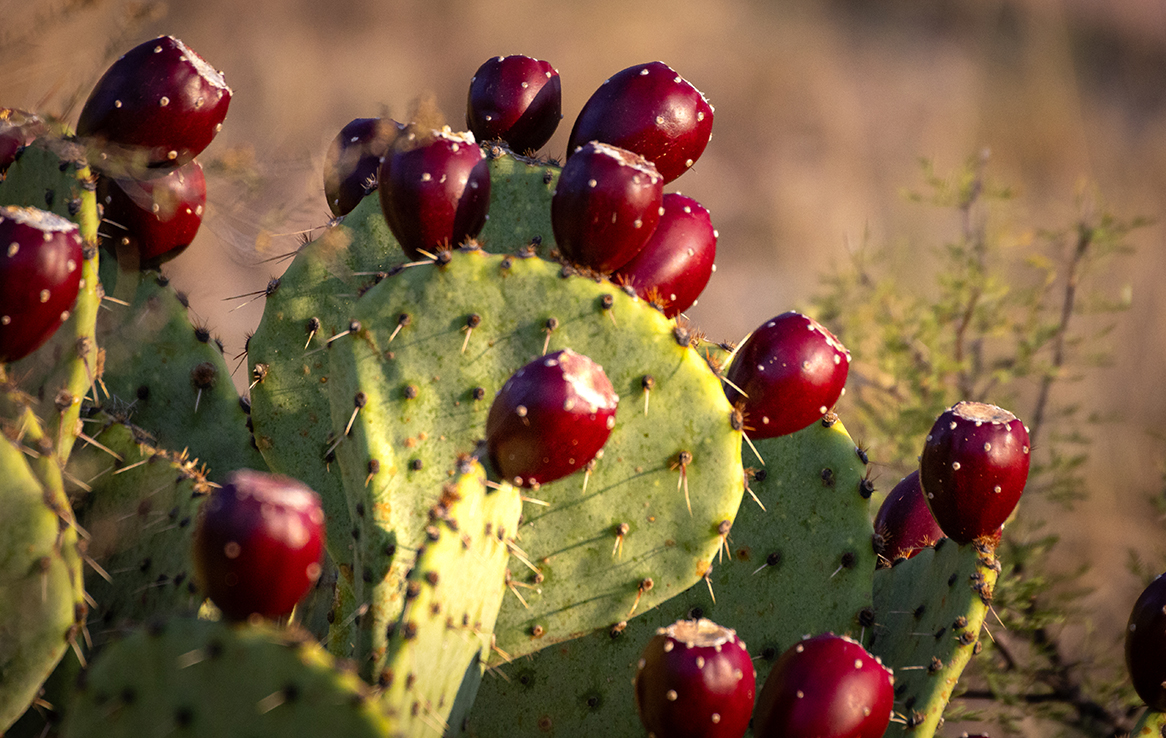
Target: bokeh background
(823, 110)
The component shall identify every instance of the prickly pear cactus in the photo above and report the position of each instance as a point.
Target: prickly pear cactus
(139, 512)
(446, 629)
(207, 678)
(408, 394)
(52, 174)
(41, 606)
(312, 302)
(801, 565)
(929, 611)
(168, 376)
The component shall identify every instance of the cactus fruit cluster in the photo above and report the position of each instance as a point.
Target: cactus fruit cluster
(545, 500)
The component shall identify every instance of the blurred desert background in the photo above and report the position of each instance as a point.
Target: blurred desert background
(823, 111)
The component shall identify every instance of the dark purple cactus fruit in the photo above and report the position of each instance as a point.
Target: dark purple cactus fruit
(791, 371)
(1146, 645)
(160, 105)
(157, 218)
(904, 521)
(40, 277)
(606, 205)
(827, 686)
(350, 168)
(651, 110)
(973, 469)
(550, 418)
(517, 99)
(673, 267)
(258, 543)
(434, 190)
(695, 680)
(17, 130)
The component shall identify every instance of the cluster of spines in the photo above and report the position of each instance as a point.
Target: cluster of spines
(929, 613)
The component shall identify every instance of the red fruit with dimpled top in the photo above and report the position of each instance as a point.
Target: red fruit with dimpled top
(550, 418)
(651, 110)
(350, 168)
(695, 680)
(905, 522)
(160, 101)
(258, 543)
(40, 277)
(517, 99)
(434, 191)
(973, 469)
(827, 686)
(788, 374)
(1145, 645)
(606, 205)
(675, 264)
(157, 218)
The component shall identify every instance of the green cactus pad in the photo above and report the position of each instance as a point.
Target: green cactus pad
(1150, 725)
(51, 174)
(428, 388)
(194, 677)
(169, 377)
(140, 515)
(41, 605)
(520, 201)
(584, 687)
(928, 614)
(290, 407)
(453, 595)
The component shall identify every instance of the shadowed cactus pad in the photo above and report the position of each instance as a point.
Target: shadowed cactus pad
(214, 679)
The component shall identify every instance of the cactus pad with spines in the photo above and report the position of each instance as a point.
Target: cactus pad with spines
(290, 407)
(214, 679)
(453, 593)
(168, 376)
(140, 514)
(581, 686)
(426, 398)
(41, 604)
(929, 611)
(51, 174)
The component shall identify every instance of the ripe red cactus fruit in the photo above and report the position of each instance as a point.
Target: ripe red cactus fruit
(517, 99)
(434, 190)
(40, 277)
(788, 374)
(904, 521)
(258, 543)
(695, 680)
(350, 168)
(973, 469)
(675, 264)
(827, 686)
(606, 205)
(550, 418)
(651, 110)
(161, 100)
(158, 217)
(1146, 645)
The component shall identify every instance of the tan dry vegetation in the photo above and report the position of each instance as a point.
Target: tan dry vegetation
(822, 112)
